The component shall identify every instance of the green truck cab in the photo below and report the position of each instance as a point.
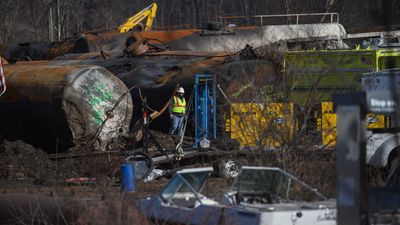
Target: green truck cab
(314, 76)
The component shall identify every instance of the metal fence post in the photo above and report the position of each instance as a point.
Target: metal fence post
(350, 166)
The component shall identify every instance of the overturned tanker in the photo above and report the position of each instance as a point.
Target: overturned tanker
(157, 74)
(58, 107)
(229, 40)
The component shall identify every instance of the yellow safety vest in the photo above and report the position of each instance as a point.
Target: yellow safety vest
(179, 105)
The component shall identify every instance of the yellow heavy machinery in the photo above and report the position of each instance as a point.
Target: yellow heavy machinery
(149, 12)
(253, 124)
(312, 77)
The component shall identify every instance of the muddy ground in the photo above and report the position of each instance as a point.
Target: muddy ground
(30, 182)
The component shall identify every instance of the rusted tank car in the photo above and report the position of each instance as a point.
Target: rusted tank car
(57, 107)
(83, 43)
(229, 40)
(158, 74)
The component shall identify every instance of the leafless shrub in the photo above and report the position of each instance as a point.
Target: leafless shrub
(112, 211)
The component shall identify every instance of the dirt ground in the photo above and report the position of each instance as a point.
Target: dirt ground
(28, 177)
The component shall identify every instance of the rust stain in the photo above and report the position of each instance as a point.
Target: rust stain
(105, 36)
(190, 53)
(31, 63)
(138, 48)
(164, 36)
(116, 54)
(168, 36)
(199, 66)
(59, 49)
(50, 80)
(167, 77)
(155, 36)
(89, 55)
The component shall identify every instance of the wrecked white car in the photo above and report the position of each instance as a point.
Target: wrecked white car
(259, 195)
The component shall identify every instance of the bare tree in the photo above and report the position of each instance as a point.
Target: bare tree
(328, 5)
(65, 10)
(288, 4)
(50, 8)
(10, 10)
(35, 10)
(63, 17)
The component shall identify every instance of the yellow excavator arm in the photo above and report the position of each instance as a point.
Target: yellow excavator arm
(149, 12)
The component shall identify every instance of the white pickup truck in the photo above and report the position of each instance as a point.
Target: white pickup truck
(382, 91)
(383, 151)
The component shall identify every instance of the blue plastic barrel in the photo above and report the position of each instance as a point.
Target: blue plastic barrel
(127, 178)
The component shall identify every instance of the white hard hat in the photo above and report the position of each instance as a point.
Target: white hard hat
(181, 90)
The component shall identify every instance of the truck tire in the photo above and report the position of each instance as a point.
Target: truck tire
(228, 168)
(393, 171)
(143, 164)
(389, 175)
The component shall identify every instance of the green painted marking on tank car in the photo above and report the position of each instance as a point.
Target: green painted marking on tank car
(104, 93)
(99, 95)
(98, 116)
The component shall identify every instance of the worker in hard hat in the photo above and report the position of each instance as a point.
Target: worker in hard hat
(177, 111)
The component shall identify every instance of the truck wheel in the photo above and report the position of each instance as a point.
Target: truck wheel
(228, 168)
(393, 172)
(142, 163)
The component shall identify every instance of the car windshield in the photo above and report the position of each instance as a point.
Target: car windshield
(184, 187)
(276, 182)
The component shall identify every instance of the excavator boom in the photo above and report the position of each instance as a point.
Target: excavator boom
(149, 12)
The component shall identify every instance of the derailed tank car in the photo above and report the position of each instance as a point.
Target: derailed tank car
(157, 74)
(57, 107)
